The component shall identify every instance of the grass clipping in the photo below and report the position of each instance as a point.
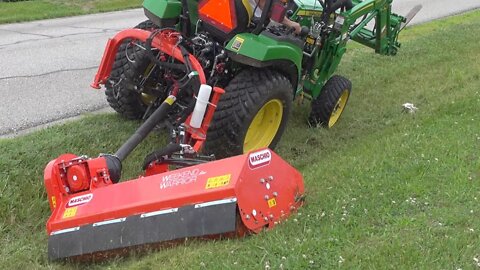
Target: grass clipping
(386, 189)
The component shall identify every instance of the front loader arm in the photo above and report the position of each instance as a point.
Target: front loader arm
(383, 37)
(356, 24)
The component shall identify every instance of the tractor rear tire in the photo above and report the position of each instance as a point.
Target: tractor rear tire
(252, 113)
(330, 104)
(121, 86)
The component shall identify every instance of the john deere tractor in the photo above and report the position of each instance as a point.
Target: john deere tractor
(259, 64)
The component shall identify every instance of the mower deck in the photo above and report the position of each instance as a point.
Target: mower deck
(226, 197)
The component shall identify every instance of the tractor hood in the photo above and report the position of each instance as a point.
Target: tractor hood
(308, 4)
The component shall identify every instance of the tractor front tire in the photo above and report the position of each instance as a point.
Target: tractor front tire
(252, 113)
(330, 104)
(121, 87)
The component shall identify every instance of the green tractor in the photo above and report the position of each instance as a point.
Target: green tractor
(261, 64)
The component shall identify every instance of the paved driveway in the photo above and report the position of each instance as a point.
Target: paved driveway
(46, 66)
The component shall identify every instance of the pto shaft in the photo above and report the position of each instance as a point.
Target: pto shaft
(143, 131)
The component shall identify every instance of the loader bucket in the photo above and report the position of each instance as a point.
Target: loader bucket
(228, 197)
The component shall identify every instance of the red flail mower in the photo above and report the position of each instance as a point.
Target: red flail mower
(95, 215)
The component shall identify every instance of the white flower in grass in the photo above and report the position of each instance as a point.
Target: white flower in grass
(476, 260)
(411, 200)
(409, 107)
(341, 259)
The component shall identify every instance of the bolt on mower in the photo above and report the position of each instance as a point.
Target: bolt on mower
(222, 82)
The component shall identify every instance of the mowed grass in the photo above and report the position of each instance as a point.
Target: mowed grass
(386, 189)
(45, 9)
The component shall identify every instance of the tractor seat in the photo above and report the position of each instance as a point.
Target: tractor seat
(225, 18)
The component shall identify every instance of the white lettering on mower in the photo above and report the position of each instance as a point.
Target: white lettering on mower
(79, 200)
(259, 159)
(180, 178)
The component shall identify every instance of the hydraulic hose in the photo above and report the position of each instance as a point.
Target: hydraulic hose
(148, 47)
(331, 6)
(142, 132)
(158, 154)
(339, 4)
(264, 17)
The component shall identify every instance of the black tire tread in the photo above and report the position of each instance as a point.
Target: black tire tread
(324, 104)
(126, 101)
(244, 96)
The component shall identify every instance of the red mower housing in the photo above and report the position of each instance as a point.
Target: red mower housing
(93, 216)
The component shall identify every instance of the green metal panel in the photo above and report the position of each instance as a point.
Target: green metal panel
(384, 39)
(308, 4)
(193, 11)
(263, 48)
(164, 9)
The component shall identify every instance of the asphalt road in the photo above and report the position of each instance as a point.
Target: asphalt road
(46, 66)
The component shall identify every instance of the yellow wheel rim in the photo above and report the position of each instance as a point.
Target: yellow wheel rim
(338, 109)
(146, 98)
(264, 126)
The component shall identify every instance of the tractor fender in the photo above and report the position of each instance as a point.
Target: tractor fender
(163, 13)
(262, 51)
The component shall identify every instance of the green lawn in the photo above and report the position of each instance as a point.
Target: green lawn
(46, 9)
(386, 189)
